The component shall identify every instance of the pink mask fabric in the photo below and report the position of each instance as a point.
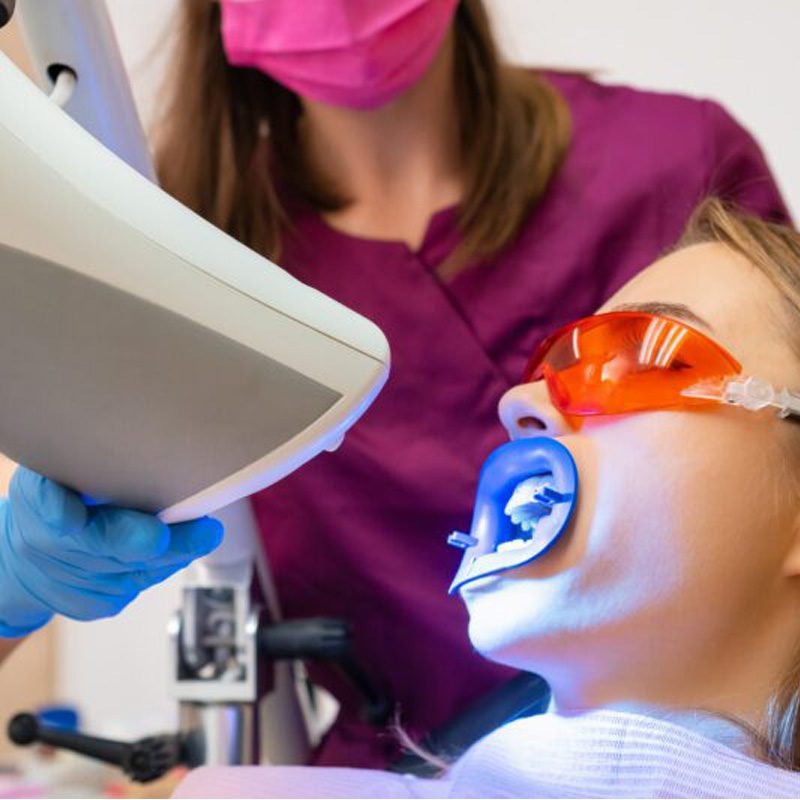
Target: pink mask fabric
(355, 53)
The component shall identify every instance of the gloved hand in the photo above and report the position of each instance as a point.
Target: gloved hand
(57, 556)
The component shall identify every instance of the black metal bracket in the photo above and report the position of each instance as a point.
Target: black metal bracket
(317, 639)
(325, 639)
(142, 761)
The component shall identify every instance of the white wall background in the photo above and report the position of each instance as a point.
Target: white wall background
(743, 54)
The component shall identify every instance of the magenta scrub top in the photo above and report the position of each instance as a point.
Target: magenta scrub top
(360, 533)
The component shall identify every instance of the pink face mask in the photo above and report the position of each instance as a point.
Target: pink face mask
(355, 53)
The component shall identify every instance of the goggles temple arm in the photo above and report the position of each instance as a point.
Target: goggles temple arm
(753, 394)
(790, 405)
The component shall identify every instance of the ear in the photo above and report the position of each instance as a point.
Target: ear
(791, 561)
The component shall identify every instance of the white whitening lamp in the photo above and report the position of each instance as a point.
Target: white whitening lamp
(148, 359)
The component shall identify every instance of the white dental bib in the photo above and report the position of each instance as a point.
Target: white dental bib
(597, 754)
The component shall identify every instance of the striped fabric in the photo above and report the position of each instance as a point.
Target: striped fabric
(598, 754)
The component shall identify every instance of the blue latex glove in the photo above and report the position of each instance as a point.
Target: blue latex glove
(57, 556)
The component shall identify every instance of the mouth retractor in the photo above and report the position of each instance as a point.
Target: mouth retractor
(535, 508)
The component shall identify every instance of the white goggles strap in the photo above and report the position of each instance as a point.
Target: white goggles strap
(754, 394)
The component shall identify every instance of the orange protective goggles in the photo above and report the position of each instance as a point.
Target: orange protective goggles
(627, 361)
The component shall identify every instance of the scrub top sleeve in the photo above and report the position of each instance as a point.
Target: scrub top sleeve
(738, 171)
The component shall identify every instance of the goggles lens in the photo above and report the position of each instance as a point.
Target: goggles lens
(623, 362)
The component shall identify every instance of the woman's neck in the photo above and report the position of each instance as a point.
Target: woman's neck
(397, 164)
(730, 677)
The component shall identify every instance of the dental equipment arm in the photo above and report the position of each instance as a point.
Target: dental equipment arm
(73, 38)
(150, 360)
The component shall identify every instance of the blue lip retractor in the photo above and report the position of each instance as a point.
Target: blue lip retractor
(495, 543)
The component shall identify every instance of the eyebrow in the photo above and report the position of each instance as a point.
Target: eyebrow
(675, 310)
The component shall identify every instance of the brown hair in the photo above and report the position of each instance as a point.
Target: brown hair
(774, 250)
(227, 143)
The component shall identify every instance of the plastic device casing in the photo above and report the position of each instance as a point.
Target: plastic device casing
(147, 358)
(502, 472)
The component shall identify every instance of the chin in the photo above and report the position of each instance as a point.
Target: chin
(490, 639)
(501, 646)
(511, 647)
(494, 632)
(514, 623)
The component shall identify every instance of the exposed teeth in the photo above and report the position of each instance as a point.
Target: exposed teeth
(525, 508)
(514, 544)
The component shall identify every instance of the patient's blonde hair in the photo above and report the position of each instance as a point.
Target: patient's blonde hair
(773, 249)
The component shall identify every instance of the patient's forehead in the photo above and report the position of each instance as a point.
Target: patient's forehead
(742, 307)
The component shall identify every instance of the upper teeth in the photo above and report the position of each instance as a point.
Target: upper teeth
(526, 506)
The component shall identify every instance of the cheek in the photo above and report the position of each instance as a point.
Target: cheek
(517, 621)
(686, 519)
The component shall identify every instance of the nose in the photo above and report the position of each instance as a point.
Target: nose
(526, 410)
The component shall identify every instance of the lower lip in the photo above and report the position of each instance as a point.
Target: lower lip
(479, 584)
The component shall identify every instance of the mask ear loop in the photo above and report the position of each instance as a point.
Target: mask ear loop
(754, 394)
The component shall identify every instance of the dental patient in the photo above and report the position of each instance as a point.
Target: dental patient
(637, 544)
